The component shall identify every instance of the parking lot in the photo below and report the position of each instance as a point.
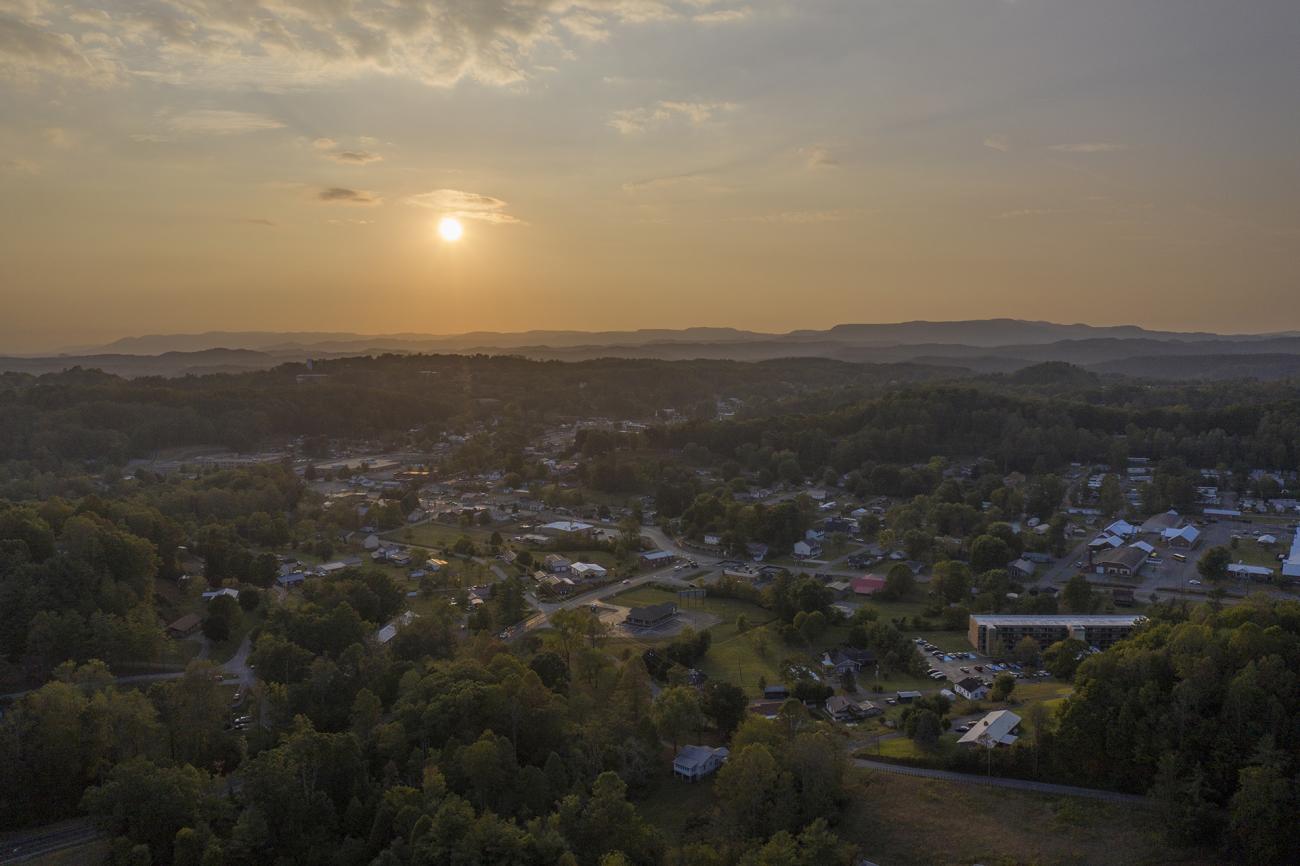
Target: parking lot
(948, 668)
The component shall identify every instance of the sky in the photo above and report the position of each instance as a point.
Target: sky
(196, 165)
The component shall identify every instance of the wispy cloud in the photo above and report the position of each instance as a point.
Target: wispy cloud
(465, 205)
(1090, 147)
(343, 195)
(257, 221)
(818, 156)
(998, 141)
(1024, 213)
(293, 43)
(210, 121)
(19, 166)
(799, 217)
(330, 149)
(723, 16)
(631, 121)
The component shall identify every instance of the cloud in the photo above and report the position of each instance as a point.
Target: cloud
(343, 195)
(354, 157)
(800, 217)
(257, 221)
(1090, 147)
(818, 156)
(19, 166)
(281, 44)
(722, 16)
(205, 121)
(465, 205)
(631, 121)
(1023, 213)
(59, 138)
(998, 141)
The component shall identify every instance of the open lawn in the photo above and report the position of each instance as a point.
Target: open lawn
(675, 807)
(742, 659)
(948, 641)
(1251, 552)
(904, 821)
(438, 534)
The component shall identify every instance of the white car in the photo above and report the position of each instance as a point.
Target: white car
(1193, 582)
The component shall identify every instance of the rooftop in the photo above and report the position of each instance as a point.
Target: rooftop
(1055, 619)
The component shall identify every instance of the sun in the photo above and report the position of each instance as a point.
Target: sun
(450, 229)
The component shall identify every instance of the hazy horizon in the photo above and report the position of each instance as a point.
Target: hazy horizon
(613, 164)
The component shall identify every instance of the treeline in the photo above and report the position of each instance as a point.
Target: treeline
(88, 416)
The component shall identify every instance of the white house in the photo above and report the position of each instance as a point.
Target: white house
(588, 571)
(992, 731)
(696, 762)
(807, 549)
(972, 689)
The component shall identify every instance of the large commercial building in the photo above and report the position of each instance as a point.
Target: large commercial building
(1291, 565)
(988, 630)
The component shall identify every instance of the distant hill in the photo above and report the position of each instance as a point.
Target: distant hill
(982, 346)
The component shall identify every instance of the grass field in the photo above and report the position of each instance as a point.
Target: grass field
(903, 821)
(675, 807)
(948, 641)
(1251, 552)
(438, 534)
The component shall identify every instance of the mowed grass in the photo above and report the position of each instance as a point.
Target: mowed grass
(438, 534)
(905, 821)
(759, 652)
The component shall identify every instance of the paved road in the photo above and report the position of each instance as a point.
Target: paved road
(1001, 782)
(38, 843)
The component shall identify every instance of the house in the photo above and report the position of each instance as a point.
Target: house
(1122, 529)
(992, 731)
(775, 693)
(696, 762)
(867, 709)
(972, 689)
(1185, 538)
(868, 584)
(807, 549)
(816, 535)
(907, 697)
(841, 709)
(371, 542)
(1144, 547)
(588, 571)
(848, 659)
(225, 590)
(652, 615)
(556, 564)
(656, 558)
(185, 626)
(1158, 523)
(566, 528)
(756, 551)
(1022, 568)
(712, 539)
(331, 568)
(1291, 565)
(1252, 572)
(1267, 540)
(292, 579)
(388, 632)
(1126, 561)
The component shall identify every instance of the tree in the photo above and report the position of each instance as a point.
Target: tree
(1214, 563)
(1077, 595)
(927, 728)
(1003, 685)
(223, 618)
(1261, 813)
(951, 581)
(725, 704)
(676, 712)
(1027, 652)
(150, 804)
(1062, 658)
(989, 552)
(900, 583)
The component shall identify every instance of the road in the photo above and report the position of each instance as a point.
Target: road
(38, 843)
(237, 666)
(1002, 782)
